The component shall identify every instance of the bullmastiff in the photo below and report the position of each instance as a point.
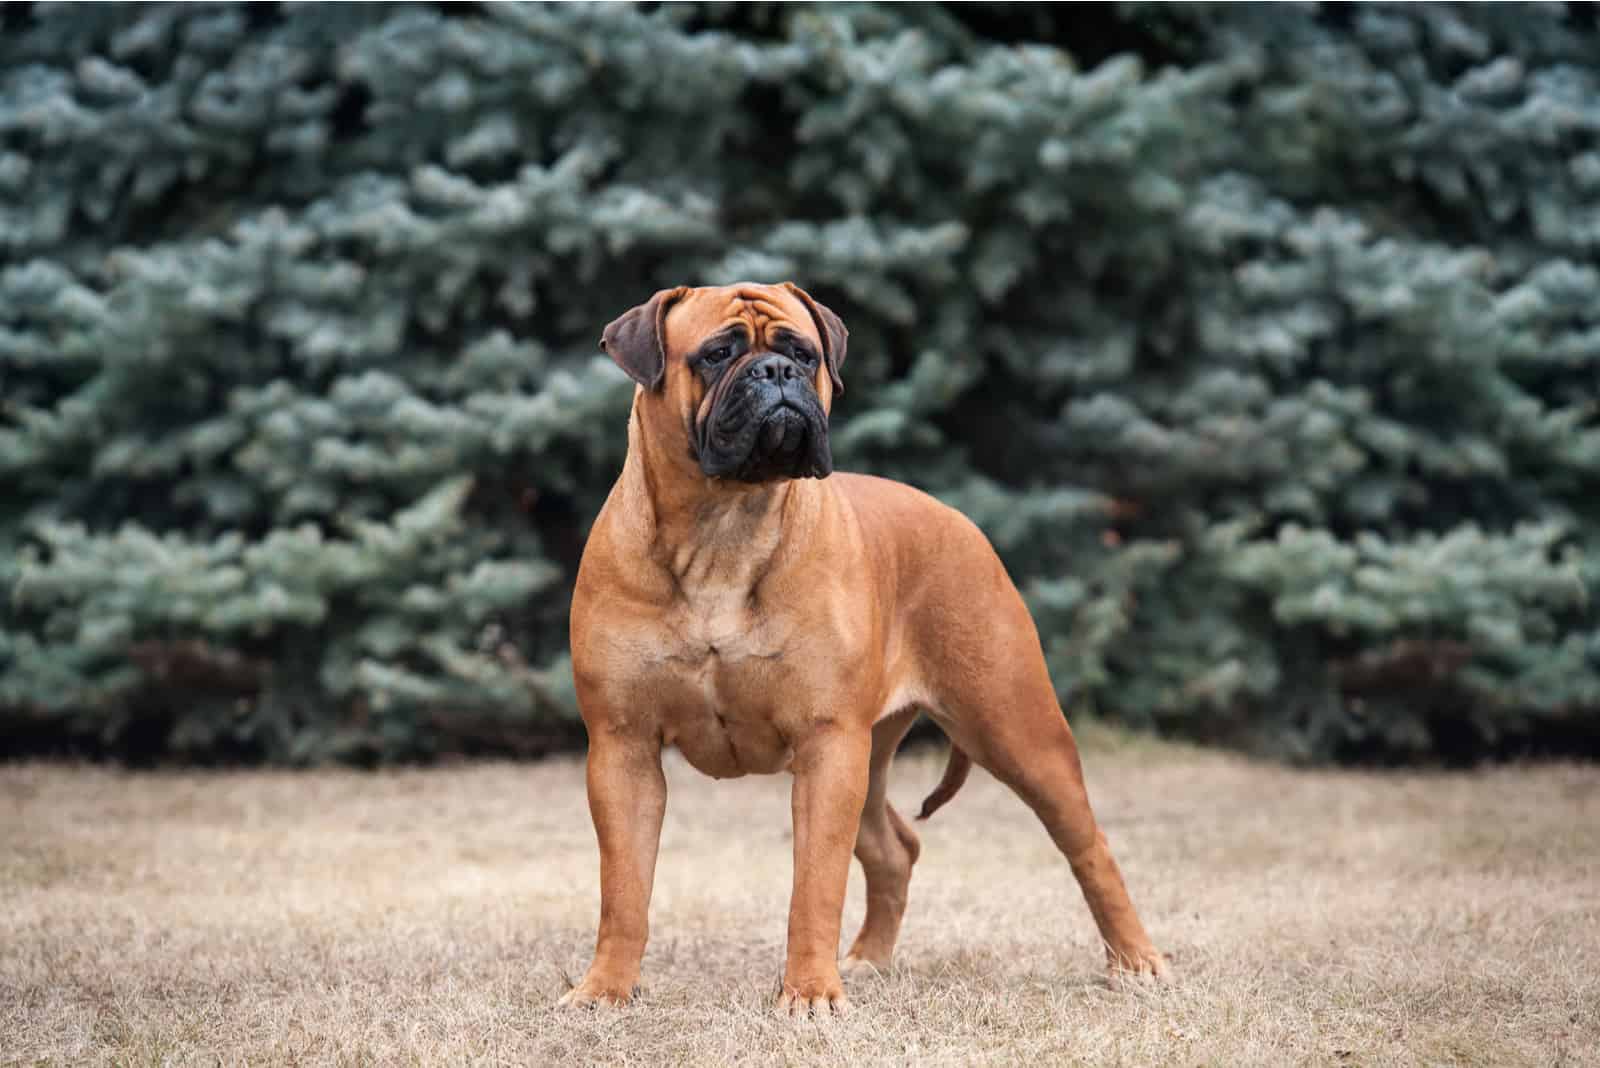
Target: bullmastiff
(741, 601)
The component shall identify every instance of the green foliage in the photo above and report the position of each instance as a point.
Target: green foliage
(1262, 339)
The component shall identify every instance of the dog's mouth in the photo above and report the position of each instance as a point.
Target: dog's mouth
(783, 431)
(761, 432)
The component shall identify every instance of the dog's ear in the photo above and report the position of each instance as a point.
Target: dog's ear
(637, 339)
(835, 338)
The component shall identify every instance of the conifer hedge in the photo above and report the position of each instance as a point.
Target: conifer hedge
(1263, 340)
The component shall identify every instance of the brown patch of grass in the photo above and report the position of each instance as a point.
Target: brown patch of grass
(435, 916)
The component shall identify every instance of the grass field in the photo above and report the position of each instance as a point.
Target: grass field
(435, 916)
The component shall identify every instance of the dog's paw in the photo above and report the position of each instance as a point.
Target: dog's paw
(1142, 964)
(854, 968)
(819, 999)
(597, 993)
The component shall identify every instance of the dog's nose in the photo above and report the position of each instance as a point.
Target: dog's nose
(774, 368)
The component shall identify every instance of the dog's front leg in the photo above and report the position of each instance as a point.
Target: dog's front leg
(627, 800)
(830, 784)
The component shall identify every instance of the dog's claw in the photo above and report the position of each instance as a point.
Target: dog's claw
(821, 1006)
(587, 995)
(1143, 966)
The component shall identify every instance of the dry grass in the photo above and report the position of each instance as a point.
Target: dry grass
(431, 917)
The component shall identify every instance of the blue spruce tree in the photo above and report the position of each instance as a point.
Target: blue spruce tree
(1262, 339)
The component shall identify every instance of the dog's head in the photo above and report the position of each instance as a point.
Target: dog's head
(748, 372)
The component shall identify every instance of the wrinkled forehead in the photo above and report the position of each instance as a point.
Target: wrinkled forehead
(761, 311)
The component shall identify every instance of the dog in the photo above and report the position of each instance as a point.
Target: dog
(741, 601)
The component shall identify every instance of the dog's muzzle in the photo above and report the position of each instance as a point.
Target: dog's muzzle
(763, 421)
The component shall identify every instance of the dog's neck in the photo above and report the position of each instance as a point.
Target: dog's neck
(703, 529)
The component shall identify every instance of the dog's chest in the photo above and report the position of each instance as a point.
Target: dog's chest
(721, 663)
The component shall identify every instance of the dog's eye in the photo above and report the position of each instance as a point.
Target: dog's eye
(803, 354)
(720, 353)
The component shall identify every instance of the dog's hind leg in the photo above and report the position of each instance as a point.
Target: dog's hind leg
(993, 696)
(887, 848)
(1030, 748)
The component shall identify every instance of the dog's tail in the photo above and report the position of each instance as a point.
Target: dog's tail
(955, 774)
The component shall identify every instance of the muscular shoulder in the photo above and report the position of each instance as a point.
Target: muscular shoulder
(881, 501)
